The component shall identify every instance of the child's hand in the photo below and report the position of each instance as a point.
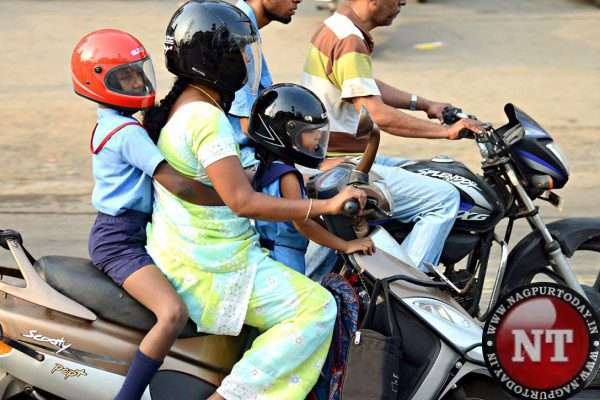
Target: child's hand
(364, 246)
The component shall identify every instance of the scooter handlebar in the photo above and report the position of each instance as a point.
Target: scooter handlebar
(351, 208)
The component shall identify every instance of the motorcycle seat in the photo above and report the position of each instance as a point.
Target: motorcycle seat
(457, 246)
(78, 279)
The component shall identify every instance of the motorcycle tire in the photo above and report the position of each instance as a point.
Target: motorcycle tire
(589, 251)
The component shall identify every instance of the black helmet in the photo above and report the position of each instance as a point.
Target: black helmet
(214, 43)
(291, 122)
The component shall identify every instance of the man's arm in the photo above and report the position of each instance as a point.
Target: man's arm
(398, 123)
(244, 125)
(400, 99)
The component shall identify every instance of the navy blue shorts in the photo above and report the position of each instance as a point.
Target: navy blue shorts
(117, 245)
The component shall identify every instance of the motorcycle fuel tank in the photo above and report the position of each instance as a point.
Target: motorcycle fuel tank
(480, 207)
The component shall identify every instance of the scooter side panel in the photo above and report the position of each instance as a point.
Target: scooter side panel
(64, 378)
(109, 347)
(438, 374)
(381, 265)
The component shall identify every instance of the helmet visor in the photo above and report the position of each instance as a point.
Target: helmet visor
(310, 139)
(252, 55)
(133, 79)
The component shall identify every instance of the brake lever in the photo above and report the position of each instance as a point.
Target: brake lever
(451, 115)
(466, 134)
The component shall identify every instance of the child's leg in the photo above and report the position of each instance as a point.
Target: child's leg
(149, 286)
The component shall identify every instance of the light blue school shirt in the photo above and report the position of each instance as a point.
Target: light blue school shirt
(124, 167)
(244, 99)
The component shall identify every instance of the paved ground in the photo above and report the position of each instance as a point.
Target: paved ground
(543, 55)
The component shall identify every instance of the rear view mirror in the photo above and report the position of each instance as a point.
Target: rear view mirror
(365, 124)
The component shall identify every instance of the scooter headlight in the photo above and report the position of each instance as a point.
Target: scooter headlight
(449, 322)
(443, 311)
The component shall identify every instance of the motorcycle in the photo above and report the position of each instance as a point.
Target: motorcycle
(67, 332)
(521, 163)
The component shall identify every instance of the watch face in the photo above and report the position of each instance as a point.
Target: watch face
(413, 102)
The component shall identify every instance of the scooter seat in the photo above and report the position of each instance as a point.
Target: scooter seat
(457, 246)
(78, 279)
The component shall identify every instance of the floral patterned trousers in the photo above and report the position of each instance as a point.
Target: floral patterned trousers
(296, 318)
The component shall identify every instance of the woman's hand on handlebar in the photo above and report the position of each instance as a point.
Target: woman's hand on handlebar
(454, 130)
(336, 204)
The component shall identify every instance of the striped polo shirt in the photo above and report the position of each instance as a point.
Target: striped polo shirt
(338, 67)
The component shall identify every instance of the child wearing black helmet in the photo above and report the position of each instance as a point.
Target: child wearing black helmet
(289, 126)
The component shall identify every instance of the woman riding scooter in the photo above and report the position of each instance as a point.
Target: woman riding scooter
(212, 255)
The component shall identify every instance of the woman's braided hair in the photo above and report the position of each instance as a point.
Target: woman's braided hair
(156, 117)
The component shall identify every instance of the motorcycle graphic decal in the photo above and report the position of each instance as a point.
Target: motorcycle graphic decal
(538, 164)
(470, 187)
(68, 372)
(60, 343)
(466, 213)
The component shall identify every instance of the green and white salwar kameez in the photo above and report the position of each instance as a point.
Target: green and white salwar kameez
(213, 259)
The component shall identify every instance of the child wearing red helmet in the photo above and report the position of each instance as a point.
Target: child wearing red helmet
(112, 68)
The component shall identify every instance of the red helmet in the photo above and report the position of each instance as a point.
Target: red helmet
(112, 67)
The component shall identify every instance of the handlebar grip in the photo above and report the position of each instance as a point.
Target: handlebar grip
(466, 134)
(350, 208)
(450, 115)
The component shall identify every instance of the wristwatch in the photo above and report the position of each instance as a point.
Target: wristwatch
(413, 102)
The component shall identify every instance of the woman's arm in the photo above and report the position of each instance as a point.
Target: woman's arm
(186, 188)
(231, 183)
(290, 189)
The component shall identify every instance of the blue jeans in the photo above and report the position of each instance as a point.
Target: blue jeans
(431, 204)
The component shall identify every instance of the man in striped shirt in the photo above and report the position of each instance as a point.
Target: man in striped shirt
(339, 70)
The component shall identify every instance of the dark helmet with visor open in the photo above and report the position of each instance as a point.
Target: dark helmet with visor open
(214, 43)
(291, 122)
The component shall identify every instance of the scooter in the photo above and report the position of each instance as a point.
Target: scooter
(67, 332)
